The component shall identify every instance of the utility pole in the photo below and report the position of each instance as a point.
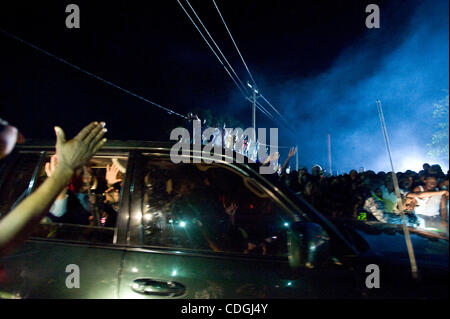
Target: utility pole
(255, 92)
(296, 158)
(254, 111)
(329, 154)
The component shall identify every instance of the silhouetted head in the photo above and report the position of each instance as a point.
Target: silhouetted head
(316, 170)
(9, 136)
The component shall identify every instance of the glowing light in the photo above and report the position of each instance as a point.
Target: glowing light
(289, 284)
(148, 217)
(182, 224)
(174, 272)
(134, 269)
(135, 286)
(411, 162)
(286, 224)
(138, 216)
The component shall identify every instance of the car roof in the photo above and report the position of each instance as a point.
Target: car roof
(165, 147)
(110, 144)
(127, 145)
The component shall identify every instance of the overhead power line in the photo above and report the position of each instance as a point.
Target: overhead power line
(218, 58)
(215, 44)
(281, 116)
(90, 74)
(246, 67)
(235, 45)
(211, 48)
(261, 108)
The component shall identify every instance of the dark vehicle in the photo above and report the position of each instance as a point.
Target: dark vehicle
(199, 230)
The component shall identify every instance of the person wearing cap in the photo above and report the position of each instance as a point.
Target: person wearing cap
(19, 223)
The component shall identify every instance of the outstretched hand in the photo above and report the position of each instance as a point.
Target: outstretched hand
(231, 210)
(111, 174)
(79, 150)
(292, 151)
(50, 167)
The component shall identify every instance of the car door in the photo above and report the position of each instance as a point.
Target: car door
(62, 260)
(212, 231)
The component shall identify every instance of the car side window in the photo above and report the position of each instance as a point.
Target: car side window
(86, 210)
(210, 207)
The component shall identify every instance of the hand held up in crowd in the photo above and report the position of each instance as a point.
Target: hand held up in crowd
(292, 152)
(112, 172)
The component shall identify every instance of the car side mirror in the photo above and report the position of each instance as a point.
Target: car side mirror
(308, 245)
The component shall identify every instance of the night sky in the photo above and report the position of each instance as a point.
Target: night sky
(315, 61)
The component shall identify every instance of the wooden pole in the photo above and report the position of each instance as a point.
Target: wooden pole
(412, 259)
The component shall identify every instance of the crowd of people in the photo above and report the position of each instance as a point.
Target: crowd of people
(371, 196)
(363, 195)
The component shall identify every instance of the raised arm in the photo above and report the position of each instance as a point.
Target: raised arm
(19, 223)
(292, 152)
(419, 194)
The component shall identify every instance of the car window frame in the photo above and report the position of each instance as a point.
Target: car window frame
(121, 229)
(136, 243)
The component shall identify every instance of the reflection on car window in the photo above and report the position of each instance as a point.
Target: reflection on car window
(201, 207)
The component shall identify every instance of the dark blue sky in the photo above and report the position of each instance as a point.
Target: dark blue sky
(316, 62)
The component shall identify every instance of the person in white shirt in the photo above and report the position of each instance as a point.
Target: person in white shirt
(431, 206)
